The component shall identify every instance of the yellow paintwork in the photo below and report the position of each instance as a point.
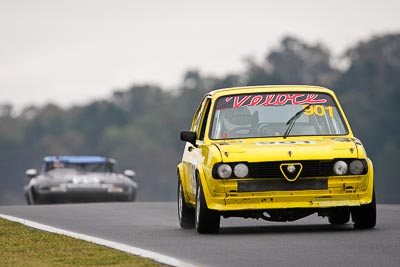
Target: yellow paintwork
(223, 195)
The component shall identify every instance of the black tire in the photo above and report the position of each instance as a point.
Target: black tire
(207, 221)
(364, 217)
(27, 198)
(31, 197)
(131, 197)
(185, 213)
(339, 216)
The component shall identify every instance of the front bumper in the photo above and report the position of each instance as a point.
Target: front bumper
(83, 195)
(329, 192)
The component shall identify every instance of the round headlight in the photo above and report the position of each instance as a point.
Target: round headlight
(356, 167)
(340, 167)
(224, 171)
(241, 170)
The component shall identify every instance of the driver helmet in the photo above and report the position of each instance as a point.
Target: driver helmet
(58, 164)
(237, 117)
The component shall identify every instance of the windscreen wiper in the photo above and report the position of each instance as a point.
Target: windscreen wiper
(293, 119)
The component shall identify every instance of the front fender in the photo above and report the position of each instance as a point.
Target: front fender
(206, 184)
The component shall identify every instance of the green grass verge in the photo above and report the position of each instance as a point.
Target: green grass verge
(25, 246)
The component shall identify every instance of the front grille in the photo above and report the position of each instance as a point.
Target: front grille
(311, 168)
(282, 185)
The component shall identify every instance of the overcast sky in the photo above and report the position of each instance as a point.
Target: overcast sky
(74, 51)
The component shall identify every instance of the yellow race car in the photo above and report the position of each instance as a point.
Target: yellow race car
(279, 153)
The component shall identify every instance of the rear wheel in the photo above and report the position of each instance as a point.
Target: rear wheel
(207, 221)
(364, 217)
(185, 213)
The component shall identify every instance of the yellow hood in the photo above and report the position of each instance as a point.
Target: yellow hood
(288, 150)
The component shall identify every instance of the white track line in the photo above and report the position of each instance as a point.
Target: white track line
(126, 248)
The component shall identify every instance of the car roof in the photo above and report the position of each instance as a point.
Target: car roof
(271, 89)
(77, 159)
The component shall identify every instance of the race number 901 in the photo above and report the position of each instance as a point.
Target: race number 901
(318, 110)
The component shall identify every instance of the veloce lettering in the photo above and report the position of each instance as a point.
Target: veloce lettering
(275, 100)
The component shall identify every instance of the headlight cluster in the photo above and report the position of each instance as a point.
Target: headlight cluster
(58, 188)
(355, 167)
(231, 170)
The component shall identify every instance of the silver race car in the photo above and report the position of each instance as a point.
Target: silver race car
(66, 179)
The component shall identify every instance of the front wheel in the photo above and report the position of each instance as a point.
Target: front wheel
(207, 221)
(185, 213)
(31, 197)
(364, 217)
(339, 216)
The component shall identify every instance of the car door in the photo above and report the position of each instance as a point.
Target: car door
(192, 155)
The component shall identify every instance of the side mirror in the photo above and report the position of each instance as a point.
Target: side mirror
(131, 174)
(30, 173)
(189, 136)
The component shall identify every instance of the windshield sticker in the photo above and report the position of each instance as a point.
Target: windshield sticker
(272, 100)
(318, 110)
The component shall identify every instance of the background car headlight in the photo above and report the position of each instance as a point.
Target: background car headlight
(356, 167)
(58, 188)
(115, 189)
(340, 167)
(241, 170)
(224, 171)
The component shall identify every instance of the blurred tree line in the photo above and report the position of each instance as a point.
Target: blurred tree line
(140, 126)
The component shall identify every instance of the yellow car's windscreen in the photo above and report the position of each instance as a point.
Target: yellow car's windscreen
(276, 114)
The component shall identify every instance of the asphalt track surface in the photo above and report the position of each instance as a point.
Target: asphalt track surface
(311, 241)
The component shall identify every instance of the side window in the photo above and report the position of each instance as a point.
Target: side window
(200, 122)
(204, 119)
(46, 166)
(197, 117)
